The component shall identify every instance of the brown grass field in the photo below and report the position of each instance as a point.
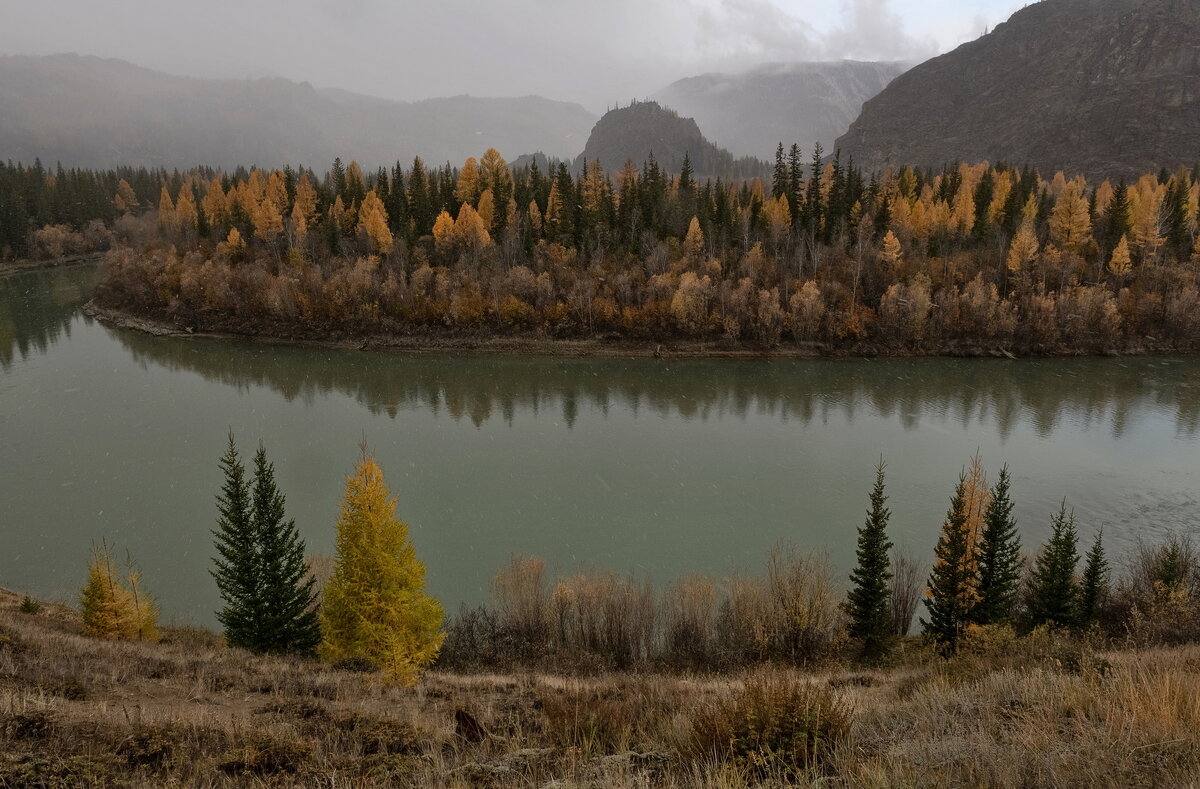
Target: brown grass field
(1042, 712)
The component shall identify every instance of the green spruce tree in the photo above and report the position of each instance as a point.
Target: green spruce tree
(999, 557)
(1054, 591)
(868, 602)
(1094, 587)
(269, 605)
(951, 594)
(286, 593)
(236, 571)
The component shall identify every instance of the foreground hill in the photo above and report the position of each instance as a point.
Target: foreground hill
(806, 103)
(1102, 87)
(77, 711)
(92, 112)
(646, 128)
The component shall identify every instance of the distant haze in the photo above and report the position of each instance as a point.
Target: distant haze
(595, 53)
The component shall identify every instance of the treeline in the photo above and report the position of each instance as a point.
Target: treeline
(368, 609)
(972, 257)
(983, 595)
(975, 257)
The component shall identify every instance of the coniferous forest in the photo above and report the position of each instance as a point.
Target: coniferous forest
(971, 259)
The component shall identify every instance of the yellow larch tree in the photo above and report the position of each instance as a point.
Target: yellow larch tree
(276, 192)
(1071, 221)
(125, 199)
(487, 209)
(1146, 201)
(469, 230)
(778, 214)
(535, 217)
(494, 173)
(554, 209)
(116, 608)
(373, 222)
(185, 211)
(215, 205)
(467, 189)
(306, 199)
(1024, 247)
(375, 606)
(166, 212)
(693, 242)
(267, 219)
(1121, 262)
(443, 232)
(891, 253)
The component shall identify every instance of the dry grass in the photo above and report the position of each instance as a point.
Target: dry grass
(76, 711)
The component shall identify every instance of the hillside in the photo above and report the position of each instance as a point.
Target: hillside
(646, 128)
(1102, 87)
(92, 112)
(805, 103)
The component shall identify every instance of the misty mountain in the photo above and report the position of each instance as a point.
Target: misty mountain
(1102, 87)
(646, 128)
(93, 112)
(751, 112)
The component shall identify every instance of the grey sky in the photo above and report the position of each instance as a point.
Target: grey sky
(596, 52)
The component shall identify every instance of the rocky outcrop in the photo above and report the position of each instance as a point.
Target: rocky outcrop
(1108, 88)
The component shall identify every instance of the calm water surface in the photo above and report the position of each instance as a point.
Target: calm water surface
(655, 467)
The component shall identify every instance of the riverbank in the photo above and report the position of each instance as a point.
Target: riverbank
(29, 264)
(610, 346)
(76, 711)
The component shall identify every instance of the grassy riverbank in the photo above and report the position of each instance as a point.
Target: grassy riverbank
(78, 711)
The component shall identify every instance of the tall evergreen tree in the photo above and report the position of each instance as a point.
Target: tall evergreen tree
(1094, 587)
(236, 571)
(269, 605)
(781, 183)
(950, 596)
(286, 593)
(999, 557)
(1054, 591)
(868, 602)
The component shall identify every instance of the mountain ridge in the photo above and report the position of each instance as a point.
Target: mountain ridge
(1107, 88)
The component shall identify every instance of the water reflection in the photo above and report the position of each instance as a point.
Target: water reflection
(36, 309)
(1002, 393)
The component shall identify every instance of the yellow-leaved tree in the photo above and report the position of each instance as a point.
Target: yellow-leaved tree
(1024, 247)
(1121, 262)
(693, 242)
(373, 222)
(892, 253)
(375, 606)
(116, 608)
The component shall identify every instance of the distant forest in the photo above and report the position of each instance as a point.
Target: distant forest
(974, 258)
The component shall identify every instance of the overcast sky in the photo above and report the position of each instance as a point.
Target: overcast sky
(596, 52)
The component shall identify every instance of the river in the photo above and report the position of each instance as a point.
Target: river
(655, 467)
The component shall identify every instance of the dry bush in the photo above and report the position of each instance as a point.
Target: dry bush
(777, 726)
(906, 591)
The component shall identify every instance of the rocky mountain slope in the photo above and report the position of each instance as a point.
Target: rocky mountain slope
(1102, 87)
(88, 111)
(805, 103)
(645, 127)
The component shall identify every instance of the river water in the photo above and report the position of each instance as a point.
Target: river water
(656, 467)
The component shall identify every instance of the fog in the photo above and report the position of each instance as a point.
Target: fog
(595, 53)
